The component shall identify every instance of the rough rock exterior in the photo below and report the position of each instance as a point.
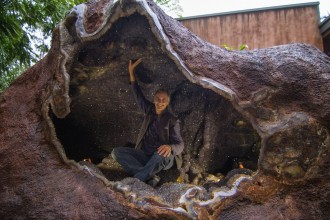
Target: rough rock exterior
(269, 109)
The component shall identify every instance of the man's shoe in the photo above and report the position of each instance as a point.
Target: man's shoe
(153, 181)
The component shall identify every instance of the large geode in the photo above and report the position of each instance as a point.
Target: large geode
(269, 109)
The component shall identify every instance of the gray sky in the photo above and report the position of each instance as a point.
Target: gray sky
(200, 7)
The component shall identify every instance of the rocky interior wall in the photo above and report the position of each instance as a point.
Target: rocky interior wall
(104, 114)
(293, 159)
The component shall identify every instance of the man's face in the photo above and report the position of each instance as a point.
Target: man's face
(161, 101)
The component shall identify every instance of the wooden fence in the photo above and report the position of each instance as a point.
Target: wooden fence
(260, 28)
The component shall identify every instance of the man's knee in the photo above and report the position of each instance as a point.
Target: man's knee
(115, 152)
(157, 157)
(164, 162)
(120, 152)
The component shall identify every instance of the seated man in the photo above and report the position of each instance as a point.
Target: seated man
(159, 141)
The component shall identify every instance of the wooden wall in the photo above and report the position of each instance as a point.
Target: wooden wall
(260, 29)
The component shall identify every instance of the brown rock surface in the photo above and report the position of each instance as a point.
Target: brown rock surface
(268, 109)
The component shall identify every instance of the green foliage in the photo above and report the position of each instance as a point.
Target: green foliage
(171, 7)
(242, 47)
(14, 71)
(21, 23)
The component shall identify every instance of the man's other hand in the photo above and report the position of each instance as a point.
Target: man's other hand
(164, 150)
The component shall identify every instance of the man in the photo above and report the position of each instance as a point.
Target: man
(159, 141)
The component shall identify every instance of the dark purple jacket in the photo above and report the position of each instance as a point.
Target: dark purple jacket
(169, 127)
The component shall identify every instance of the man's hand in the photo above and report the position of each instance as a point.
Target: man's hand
(164, 150)
(131, 68)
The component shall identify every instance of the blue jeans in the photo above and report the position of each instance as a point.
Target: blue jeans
(136, 163)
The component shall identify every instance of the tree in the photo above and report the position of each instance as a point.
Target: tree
(171, 7)
(25, 25)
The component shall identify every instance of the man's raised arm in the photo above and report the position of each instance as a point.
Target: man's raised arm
(143, 103)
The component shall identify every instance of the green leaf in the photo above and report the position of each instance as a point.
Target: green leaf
(244, 47)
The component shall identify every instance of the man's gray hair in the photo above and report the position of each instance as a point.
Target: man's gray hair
(164, 91)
